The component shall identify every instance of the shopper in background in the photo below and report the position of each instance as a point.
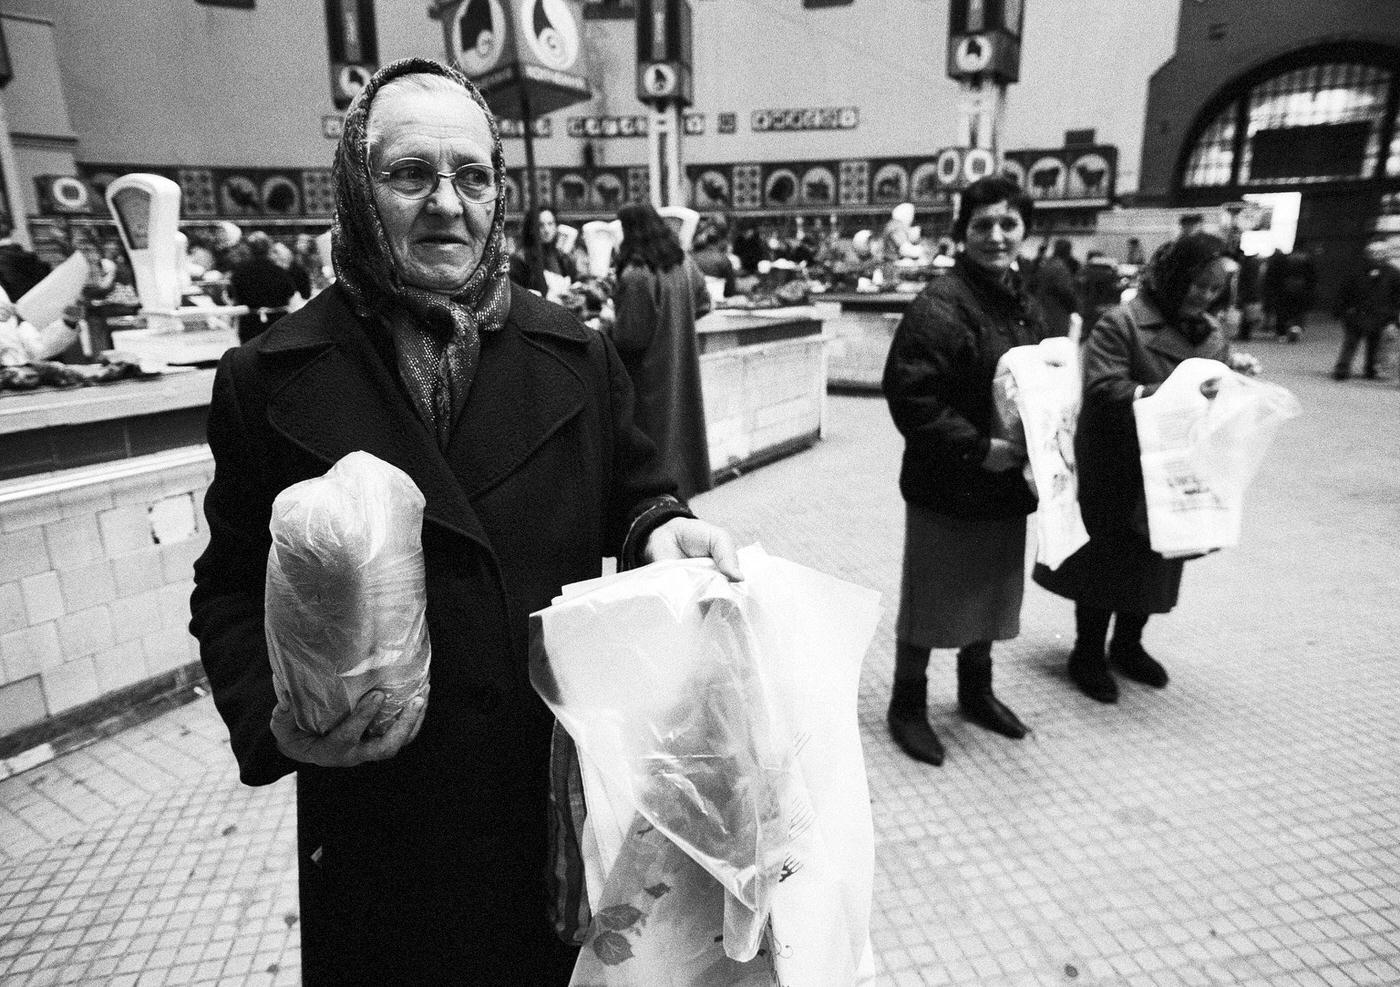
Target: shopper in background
(1290, 280)
(656, 301)
(538, 260)
(20, 267)
(1368, 306)
(262, 285)
(1054, 287)
(966, 499)
(1129, 352)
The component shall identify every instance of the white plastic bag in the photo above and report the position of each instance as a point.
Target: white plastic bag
(345, 597)
(1199, 454)
(721, 717)
(1036, 393)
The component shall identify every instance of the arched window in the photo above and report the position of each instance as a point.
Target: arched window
(1318, 122)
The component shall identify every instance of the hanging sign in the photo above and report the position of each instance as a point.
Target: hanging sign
(526, 56)
(353, 47)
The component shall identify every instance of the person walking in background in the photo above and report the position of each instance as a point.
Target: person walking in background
(966, 499)
(1289, 283)
(538, 260)
(654, 330)
(1054, 288)
(262, 285)
(309, 259)
(1129, 352)
(1100, 287)
(1368, 306)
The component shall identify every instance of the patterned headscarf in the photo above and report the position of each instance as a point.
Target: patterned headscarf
(364, 263)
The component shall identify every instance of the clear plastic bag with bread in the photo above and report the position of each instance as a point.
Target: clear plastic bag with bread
(345, 598)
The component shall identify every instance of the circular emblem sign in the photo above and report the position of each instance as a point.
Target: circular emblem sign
(550, 32)
(659, 79)
(978, 163)
(478, 36)
(973, 54)
(69, 194)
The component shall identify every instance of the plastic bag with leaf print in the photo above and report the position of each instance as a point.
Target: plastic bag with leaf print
(728, 836)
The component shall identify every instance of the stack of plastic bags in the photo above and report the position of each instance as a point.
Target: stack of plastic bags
(1199, 454)
(345, 596)
(1037, 395)
(728, 839)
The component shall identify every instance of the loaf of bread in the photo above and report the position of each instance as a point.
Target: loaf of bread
(345, 600)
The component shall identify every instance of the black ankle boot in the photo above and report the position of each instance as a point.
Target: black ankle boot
(1137, 664)
(908, 722)
(976, 700)
(1089, 670)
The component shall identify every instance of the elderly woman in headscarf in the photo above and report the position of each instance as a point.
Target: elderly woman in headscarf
(1133, 349)
(423, 853)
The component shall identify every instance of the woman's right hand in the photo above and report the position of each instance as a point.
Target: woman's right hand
(1003, 455)
(346, 745)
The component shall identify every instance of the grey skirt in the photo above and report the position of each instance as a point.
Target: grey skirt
(963, 579)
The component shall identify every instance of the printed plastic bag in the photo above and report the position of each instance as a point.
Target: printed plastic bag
(1036, 393)
(1199, 454)
(728, 837)
(345, 597)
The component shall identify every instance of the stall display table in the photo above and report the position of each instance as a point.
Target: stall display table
(861, 326)
(763, 374)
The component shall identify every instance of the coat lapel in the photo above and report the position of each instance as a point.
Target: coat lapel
(523, 393)
(334, 396)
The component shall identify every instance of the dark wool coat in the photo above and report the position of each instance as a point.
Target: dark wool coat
(428, 867)
(938, 383)
(655, 336)
(1131, 345)
(1117, 570)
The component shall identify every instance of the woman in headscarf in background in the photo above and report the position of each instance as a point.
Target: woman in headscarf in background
(1132, 350)
(424, 853)
(657, 302)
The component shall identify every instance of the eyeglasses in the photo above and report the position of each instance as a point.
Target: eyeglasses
(414, 178)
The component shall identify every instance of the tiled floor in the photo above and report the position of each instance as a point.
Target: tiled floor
(1240, 827)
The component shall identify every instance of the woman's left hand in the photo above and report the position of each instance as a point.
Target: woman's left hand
(691, 538)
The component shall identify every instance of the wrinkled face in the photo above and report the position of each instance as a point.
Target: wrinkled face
(994, 235)
(547, 227)
(1207, 287)
(436, 242)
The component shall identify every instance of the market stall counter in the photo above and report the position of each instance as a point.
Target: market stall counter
(861, 326)
(100, 490)
(763, 373)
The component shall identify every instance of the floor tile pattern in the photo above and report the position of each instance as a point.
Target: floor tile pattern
(1240, 827)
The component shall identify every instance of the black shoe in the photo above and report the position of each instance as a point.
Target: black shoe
(989, 712)
(1091, 674)
(915, 737)
(1340, 374)
(1370, 374)
(1138, 665)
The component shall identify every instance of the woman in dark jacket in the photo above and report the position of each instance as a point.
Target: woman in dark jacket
(966, 499)
(539, 252)
(1127, 355)
(657, 301)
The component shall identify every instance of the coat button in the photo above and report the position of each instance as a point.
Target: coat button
(483, 696)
